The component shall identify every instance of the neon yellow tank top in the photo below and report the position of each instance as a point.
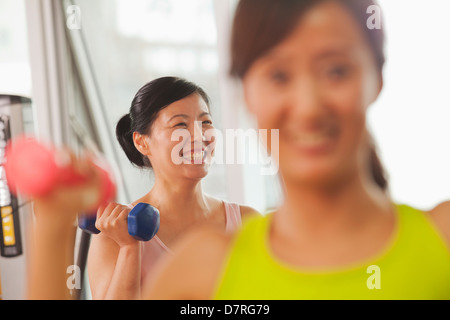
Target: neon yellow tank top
(416, 266)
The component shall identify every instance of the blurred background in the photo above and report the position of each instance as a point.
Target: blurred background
(83, 61)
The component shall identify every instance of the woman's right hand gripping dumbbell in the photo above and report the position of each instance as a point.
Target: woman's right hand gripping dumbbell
(115, 251)
(112, 221)
(114, 256)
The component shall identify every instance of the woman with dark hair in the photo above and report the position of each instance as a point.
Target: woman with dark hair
(311, 69)
(162, 111)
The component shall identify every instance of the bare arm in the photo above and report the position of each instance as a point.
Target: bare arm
(51, 253)
(193, 270)
(103, 253)
(53, 235)
(114, 259)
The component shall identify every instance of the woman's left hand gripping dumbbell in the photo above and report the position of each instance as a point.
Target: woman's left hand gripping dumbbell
(60, 184)
(63, 203)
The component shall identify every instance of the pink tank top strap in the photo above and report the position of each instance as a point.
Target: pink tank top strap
(233, 216)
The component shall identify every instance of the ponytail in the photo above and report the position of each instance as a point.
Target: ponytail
(124, 135)
(376, 168)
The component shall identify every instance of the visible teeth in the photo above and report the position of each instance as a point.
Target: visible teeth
(196, 156)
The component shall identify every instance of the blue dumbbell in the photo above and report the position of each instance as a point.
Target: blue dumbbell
(143, 222)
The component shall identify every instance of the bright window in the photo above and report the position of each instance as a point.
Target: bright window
(133, 42)
(15, 77)
(410, 120)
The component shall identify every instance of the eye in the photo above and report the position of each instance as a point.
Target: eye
(207, 122)
(279, 77)
(181, 124)
(338, 72)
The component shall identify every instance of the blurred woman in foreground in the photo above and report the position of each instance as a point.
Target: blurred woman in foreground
(311, 69)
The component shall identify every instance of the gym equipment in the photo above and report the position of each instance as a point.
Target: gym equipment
(10, 237)
(143, 222)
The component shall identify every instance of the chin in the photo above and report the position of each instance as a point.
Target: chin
(196, 173)
(318, 175)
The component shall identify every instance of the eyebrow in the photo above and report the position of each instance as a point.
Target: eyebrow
(185, 116)
(333, 53)
(341, 50)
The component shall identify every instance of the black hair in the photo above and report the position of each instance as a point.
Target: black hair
(260, 25)
(148, 101)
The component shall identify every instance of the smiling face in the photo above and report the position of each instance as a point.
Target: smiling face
(176, 145)
(315, 87)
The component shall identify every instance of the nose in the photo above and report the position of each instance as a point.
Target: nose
(197, 133)
(305, 103)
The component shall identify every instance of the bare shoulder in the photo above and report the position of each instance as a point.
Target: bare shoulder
(248, 212)
(441, 217)
(194, 268)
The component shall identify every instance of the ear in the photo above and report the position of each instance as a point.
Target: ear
(141, 142)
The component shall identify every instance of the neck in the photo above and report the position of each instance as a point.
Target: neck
(182, 198)
(320, 211)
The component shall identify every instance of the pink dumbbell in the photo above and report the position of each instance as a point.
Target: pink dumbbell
(33, 169)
